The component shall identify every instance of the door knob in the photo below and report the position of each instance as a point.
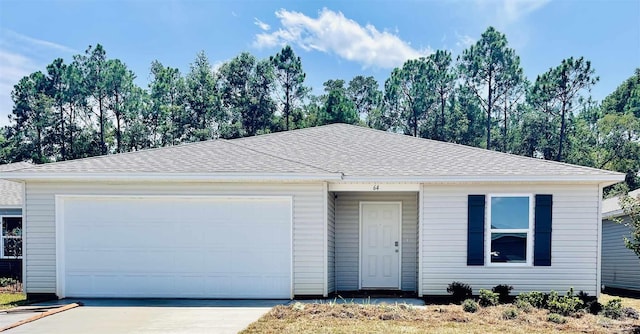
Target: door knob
(396, 244)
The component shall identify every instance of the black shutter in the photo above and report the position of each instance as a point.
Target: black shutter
(542, 231)
(475, 230)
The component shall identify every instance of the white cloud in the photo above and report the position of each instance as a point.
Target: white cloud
(464, 41)
(332, 32)
(261, 24)
(506, 12)
(21, 55)
(13, 67)
(36, 42)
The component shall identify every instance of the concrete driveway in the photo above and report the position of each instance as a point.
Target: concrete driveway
(151, 316)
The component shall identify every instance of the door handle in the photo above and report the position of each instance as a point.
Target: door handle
(397, 244)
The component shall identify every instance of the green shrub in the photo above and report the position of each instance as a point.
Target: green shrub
(509, 314)
(594, 307)
(503, 290)
(612, 309)
(565, 305)
(470, 305)
(534, 298)
(488, 298)
(556, 318)
(523, 305)
(7, 281)
(459, 291)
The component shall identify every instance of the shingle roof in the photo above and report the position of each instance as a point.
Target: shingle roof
(213, 156)
(11, 192)
(358, 151)
(339, 149)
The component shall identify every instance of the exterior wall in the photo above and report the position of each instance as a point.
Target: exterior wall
(574, 240)
(308, 230)
(348, 237)
(620, 266)
(331, 241)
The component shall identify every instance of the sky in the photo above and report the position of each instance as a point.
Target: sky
(335, 39)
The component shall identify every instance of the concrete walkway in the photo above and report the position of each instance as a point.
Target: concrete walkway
(150, 316)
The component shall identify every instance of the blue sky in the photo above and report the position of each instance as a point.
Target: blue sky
(336, 39)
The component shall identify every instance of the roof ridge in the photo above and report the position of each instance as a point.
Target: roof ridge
(278, 157)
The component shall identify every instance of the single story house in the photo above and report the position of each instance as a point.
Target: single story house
(620, 265)
(309, 212)
(11, 223)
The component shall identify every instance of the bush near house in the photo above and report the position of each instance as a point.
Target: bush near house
(459, 291)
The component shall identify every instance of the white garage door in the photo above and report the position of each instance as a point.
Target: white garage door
(176, 247)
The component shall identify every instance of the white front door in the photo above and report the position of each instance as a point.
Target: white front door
(380, 245)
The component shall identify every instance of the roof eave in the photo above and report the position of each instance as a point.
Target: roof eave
(613, 214)
(187, 177)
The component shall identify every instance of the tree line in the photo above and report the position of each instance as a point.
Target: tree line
(91, 106)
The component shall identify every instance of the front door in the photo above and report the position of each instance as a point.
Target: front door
(380, 245)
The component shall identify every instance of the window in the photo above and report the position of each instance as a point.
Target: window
(11, 237)
(509, 232)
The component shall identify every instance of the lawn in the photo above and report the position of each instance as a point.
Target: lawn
(358, 318)
(9, 300)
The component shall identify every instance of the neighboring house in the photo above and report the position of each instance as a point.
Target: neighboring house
(310, 212)
(620, 265)
(11, 223)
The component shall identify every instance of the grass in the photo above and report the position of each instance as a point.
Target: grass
(400, 318)
(9, 300)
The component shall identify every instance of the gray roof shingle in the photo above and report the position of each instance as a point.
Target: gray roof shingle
(11, 192)
(353, 151)
(213, 156)
(360, 152)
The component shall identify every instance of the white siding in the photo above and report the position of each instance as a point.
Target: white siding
(620, 265)
(308, 230)
(348, 235)
(331, 242)
(574, 240)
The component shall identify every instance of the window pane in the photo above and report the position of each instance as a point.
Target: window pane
(509, 247)
(13, 247)
(11, 226)
(510, 212)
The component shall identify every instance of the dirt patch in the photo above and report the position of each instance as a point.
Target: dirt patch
(357, 318)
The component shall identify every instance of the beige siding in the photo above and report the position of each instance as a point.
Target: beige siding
(574, 240)
(348, 235)
(620, 266)
(331, 242)
(308, 230)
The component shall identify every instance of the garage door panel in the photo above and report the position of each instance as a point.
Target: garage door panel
(177, 247)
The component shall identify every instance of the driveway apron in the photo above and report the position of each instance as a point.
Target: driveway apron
(100, 316)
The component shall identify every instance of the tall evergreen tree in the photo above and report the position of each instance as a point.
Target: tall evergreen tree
(558, 92)
(337, 108)
(488, 68)
(167, 89)
(290, 78)
(405, 96)
(202, 100)
(366, 97)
